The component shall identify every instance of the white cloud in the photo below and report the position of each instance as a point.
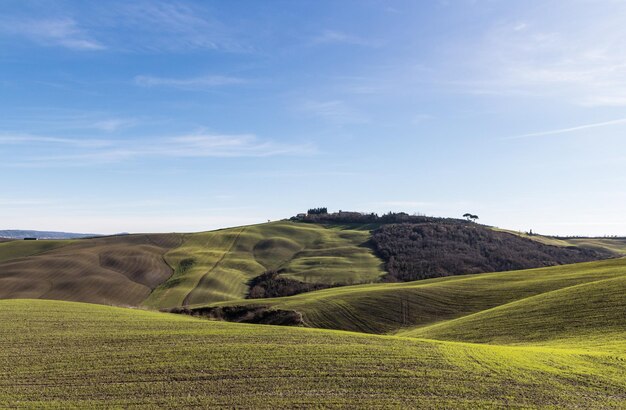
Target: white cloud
(188, 83)
(335, 111)
(113, 124)
(157, 26)
(569, 129)
(338, 37)
(85, 151)
(574, 53)
(62, 32)
(36, 139)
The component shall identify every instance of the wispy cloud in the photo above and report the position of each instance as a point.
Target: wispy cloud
(53, 120)
(62, 32)
(207, 81)
(113, 124)
(335, 111)
(155, 26)
(83, 152)
(568, 130)
(565, 54)
(20, 139)
(338, 37)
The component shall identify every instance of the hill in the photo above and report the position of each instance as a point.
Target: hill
(273, 259)
(99, 356)
(586, 316)
(120, 270)
(21, 234)
(429, 250)
(166, 270)
(391, 307)
(217, 266)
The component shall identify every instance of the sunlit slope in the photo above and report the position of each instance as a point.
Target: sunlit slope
(216, 266)
(385, 308)
(63, 354)
(119, 270)
(590, 315)
(20, 249)
(614, 245)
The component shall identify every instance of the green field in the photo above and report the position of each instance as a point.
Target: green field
(615, 245)
(550, 338)
(391, 307)
(219, 264)
(168, 270)
(64, 354)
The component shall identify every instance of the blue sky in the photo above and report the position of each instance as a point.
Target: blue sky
(152, 116)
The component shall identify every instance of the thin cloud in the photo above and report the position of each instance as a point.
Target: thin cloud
(158, 26)
(569, 129)
(565, 54)
(338, 37)
(334, 111)
(29, 139)
(85, 152)
(208, 81)
(113, 124)
(62, 32)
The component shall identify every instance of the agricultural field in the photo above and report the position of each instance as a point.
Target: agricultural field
(550, 337)
(66, 354)
(217, 266)
(13, 249)
(118, 270)
(390, 307)
(615, 245)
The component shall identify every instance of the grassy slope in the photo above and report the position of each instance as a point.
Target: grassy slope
(112, 270)
(615, 245)
(20, 249)
(386, 308)
(69, 354)
(587, 316)
(225, 260)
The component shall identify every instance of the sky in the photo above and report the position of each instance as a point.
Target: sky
(161, 116)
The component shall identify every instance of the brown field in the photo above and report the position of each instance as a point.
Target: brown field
(118, 270)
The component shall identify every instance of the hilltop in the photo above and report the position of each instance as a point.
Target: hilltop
(270, 260)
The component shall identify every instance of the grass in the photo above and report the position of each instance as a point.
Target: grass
(225, 260)
(586, 316)
(63, 355)
(120, 270)
(615, 245)
(389, 308)
(21, 249)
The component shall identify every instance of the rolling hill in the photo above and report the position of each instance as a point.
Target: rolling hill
(170, 270)
(121, 270)
(65, 354)
(217, 266)
(552, 337)
(391, 307)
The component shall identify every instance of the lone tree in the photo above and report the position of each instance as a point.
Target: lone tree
(470, 217)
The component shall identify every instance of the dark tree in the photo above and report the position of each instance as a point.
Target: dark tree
(318, 211)
(427, 250)
(470, 217)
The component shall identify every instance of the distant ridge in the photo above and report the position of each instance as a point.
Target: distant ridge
(21, 234)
